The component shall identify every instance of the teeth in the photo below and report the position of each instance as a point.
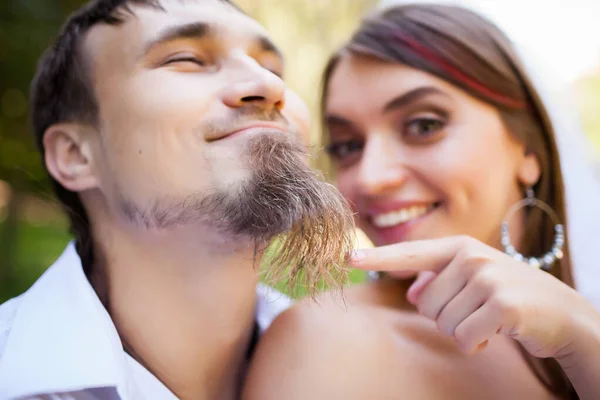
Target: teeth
(399, 216)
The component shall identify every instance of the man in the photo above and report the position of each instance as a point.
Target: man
(165, 130)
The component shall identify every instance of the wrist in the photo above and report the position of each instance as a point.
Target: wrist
(579, 357)
(583, 339)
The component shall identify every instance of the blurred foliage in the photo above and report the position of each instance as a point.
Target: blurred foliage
(26, 28)
(588, 90)
(306, 30)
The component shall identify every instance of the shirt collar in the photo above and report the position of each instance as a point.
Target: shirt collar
(270, 303)
(62, 338)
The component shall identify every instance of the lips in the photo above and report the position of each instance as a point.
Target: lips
(397, 221)
(259, 127)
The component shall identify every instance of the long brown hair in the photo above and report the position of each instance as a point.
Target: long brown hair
(471, 53)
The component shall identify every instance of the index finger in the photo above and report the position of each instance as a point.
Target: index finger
(423, 255)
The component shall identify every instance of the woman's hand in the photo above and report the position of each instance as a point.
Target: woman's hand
(474, 292)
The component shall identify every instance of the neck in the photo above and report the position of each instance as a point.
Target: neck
(182, 304)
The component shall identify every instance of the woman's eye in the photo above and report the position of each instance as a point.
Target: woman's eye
(423, 127)
(341, 151)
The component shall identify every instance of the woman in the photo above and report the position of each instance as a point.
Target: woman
(443, 147)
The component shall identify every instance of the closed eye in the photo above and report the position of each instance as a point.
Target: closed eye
(276, 73)
(186, 60)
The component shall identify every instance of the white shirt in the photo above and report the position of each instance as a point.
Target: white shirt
(57, 341)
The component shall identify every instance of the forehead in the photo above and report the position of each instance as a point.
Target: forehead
(372, 82)
(147, 23)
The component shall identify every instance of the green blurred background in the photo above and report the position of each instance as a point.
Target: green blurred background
(33, 231)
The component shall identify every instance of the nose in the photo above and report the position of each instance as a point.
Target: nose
(253, 85)
(381, 169)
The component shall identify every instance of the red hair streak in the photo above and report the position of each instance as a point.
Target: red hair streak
(430, 56)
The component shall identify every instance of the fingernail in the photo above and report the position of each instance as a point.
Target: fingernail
(411, 295)
(357, 256)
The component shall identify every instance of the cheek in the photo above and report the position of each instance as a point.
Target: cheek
(150, 135)
(154, 162)
(175, 103)
(298, 114)
(452, 172)
(477, 174)
(467, 164)
(345, 181)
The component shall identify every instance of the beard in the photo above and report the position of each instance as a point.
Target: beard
(285, 203)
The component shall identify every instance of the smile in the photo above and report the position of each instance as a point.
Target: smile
(400, 216)
(253, 129)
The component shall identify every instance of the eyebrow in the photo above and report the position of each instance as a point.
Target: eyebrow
(412, 96)
(398, 102)
(195, 30)
(268, 46)
(336, 120)
(200, 30)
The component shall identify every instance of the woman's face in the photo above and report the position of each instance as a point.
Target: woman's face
(419, 158)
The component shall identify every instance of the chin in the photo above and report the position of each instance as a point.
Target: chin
(402, 275)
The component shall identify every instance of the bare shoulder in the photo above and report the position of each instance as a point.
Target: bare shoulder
(332, 348)
(363, 346)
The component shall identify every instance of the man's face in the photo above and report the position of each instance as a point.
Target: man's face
(173, 87)
(196, 128)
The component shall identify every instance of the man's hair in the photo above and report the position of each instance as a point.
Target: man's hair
(62, 91)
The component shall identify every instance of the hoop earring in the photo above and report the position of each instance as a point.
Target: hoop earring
(556, 253)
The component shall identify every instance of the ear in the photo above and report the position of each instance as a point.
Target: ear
(530, 169)
(68, 156)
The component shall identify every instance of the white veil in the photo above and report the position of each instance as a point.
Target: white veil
(577, 158)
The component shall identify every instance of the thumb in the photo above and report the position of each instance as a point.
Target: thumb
(415, 290)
